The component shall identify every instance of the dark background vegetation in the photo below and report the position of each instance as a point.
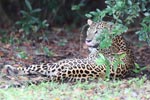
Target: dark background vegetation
(57, 12)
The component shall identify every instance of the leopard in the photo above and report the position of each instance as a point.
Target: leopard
(85, 69)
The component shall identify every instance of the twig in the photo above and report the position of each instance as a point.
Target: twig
(133, 29)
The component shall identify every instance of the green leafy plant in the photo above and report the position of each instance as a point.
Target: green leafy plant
(126, 13)
(30, 22)
(138, 69)
(144, 33)
(22, 55)
(118, 60)
(4, 35)
(106, 36)
(77, 7)
(47, 51)
(62, 42)
(102, 60)
(8, 38)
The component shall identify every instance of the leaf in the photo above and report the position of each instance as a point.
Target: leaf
(144, 68)
(88, 15)
(129, 2)
(24, 13)
(22, 55)
(47, 51)
(93, 13)
(122, 56)
(102, 56)
(28, 5)
(136, 71)
(18, 23)
(1, 53)
(75, 7)
(115, 65)
(137, 66)
(36, 10)
(108, 71)
(44, 21)
(101, 60)
(98, 10)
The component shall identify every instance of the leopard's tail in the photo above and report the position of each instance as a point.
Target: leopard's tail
(22, 76)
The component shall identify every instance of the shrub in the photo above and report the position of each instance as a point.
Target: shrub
(128, 13)
(30, 23)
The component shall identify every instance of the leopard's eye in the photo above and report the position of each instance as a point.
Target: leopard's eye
(96, 32)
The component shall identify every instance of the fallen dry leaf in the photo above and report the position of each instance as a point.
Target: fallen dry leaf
(1, 53)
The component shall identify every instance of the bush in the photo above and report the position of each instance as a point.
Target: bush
(30, 23)
(128, 13)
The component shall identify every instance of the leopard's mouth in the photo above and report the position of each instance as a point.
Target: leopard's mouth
(94, 46)
(89, 44)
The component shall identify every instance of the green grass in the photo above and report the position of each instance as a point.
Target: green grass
(132, 89)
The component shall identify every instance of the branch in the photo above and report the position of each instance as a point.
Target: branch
(133, 29)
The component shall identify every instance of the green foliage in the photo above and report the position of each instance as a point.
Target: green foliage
(144, 33)
(77, 7)
(138, 81)
(126, 12)
(118, 61)
(3, 33)
(47, 51)
(105, 37)
(30, 22)
(8, 38)
(138, 69)
(102, 60)
(62, 42)
(22, 55)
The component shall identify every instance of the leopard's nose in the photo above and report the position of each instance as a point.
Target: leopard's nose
(88, 40)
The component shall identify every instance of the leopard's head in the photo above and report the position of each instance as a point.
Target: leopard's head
(94, 31)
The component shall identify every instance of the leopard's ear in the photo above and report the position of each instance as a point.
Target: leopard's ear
(89, 21)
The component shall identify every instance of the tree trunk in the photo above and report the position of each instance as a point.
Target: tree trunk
(4, 19)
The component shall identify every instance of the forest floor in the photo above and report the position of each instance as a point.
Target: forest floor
(61, 44)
